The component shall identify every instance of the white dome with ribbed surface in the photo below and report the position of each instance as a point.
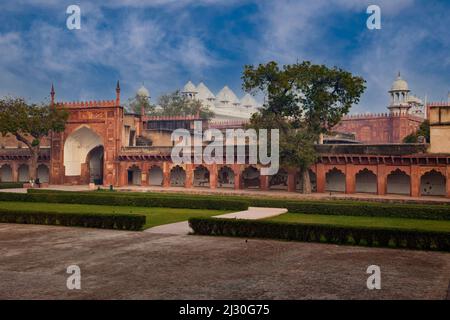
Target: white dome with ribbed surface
(227, 96)
(143, 92)
(189, 87)
(400, 84)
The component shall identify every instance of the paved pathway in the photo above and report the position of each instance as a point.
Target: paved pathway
(253, 213)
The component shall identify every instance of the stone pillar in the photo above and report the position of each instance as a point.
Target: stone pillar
(144, 174)
(350, 180)
(381, 180)
(123, 176)
(448, 181)
(166, 174)
(213, 175)
(15, 172)
(415, 181)
(320, 176)
(264, 183)
(237, 177)
(189, 176)
(291, 180)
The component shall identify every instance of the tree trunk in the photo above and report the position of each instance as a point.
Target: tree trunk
(33, 163)
(306, 182)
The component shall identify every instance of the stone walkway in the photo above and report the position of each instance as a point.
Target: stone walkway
(253, 213)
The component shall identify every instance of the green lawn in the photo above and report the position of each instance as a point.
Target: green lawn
(380, 222)
(155, 216)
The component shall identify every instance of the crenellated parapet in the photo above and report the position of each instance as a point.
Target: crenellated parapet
(87, 104)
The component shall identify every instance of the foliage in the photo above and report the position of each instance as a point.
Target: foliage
(382, 237)
(30, 123)
(118, 199)
(10, 185)
(87, 220)
(325, 207)
(310, 99)
(422, 131)
(176, 104)
(136, 103)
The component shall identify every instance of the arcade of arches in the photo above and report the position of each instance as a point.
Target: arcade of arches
(349, 178)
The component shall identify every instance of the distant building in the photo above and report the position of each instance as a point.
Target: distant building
(406, 113)
(103, 144)
(225, 105)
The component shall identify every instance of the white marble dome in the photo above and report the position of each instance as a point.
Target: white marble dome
(399, 84)
(143, 92)
(189, 88)
(227, 96)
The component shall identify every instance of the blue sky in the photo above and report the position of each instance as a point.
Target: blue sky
(165, 43)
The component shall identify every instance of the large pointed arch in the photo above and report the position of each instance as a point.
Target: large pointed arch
(77, 147)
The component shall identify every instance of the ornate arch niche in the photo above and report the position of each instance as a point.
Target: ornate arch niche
(335, 181)
(433, 183)
(76, 149)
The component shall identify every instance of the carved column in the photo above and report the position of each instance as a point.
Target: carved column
(350, 183)
(15, 172)
(264, 183)
(166, 174)
(381, 179)
(189, 176)
(415, 181)
(213, 176)
(144, 174)
(291, 180)
(237, 177)
(448, 181)
(320, 176)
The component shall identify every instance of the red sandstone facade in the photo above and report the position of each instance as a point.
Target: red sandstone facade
(380, 128)
(415, 174)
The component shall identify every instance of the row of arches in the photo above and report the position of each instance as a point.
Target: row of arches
(432, 183)
(201, 177)
(23, 173)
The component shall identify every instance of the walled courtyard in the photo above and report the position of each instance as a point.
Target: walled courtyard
(134, 265)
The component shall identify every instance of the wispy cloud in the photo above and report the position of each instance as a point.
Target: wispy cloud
(164, 43)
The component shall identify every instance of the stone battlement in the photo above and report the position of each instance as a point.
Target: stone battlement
(83, 104)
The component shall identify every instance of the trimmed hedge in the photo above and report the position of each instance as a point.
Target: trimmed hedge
(88, 220)
(153, 200)
(11, 185)
(326, 207)
(373, 237)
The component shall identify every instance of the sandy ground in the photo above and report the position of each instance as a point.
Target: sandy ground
(140, 265)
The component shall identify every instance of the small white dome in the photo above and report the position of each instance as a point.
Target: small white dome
(204, 93)
(399, 84)
(143, 92)
(414, 99)
(248, 101)
(189, 88)
(226, 95)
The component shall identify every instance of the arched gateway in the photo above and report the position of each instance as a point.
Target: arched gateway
(87, 150)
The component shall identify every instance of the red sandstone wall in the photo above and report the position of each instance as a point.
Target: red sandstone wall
(379, 129)
(9, 141)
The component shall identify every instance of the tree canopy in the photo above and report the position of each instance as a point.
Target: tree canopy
(136, 103)
(422, 131)
(176, 104)
(29, 123)
(303, 100)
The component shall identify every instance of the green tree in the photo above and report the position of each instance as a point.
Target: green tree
(176, 104)
(422, 131)
(310, 99)
(136, 103)
(30, 123)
